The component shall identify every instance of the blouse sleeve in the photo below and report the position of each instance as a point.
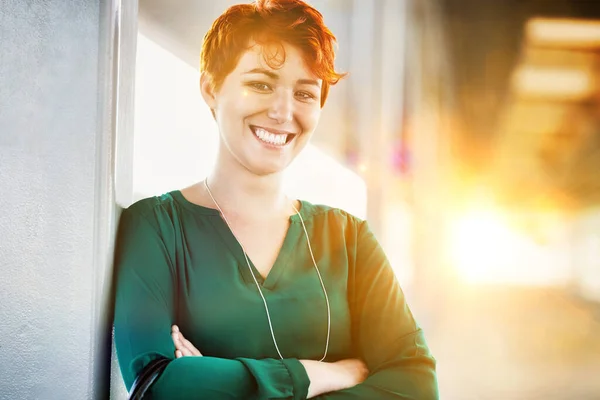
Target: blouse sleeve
(144, 313)
(385, 333)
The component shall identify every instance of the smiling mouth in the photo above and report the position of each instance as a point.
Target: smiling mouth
(271, 136)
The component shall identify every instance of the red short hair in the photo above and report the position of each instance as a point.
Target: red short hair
(270, 22)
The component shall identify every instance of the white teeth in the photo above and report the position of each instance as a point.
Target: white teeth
(269, 137)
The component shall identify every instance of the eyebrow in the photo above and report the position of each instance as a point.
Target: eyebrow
(275, 76)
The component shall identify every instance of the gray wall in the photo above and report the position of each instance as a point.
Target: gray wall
(57, 213)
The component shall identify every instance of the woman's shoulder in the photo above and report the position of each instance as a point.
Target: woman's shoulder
(323, 214)
(151, 204)
(159, 211)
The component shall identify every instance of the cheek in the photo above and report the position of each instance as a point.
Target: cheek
(231, 113)
(309, 119)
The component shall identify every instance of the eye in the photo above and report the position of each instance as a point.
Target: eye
(260, 86)
(302, 95)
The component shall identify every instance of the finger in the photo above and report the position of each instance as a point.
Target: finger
(176, 340)
(185, 351)
(179, 346)
(178, 354)
(188, 345)
(182, 344)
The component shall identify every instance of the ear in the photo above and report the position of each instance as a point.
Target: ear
(208, 91)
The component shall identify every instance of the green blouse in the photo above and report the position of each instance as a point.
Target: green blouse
(178, 263)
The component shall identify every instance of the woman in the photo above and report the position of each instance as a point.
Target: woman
(277, 298)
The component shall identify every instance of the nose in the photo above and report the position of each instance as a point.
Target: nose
(281, 108)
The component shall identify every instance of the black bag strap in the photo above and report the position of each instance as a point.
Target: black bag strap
(146, 378)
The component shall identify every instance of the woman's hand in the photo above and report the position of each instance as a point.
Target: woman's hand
(330, 377)
(354, 370)
(183, 347)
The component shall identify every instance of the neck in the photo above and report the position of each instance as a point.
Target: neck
(244, 195)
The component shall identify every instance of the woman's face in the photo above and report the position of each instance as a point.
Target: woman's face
(265, 116)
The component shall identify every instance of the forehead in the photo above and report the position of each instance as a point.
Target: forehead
(285, 59)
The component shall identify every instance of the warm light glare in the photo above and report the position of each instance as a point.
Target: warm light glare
(562, 32)
(560, 83)
(485, 247)
(479, 244)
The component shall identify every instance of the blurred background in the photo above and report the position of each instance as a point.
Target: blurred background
(468, 133)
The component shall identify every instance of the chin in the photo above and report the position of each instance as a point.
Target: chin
(264, 169)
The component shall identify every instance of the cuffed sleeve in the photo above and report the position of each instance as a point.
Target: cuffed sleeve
(289, 373)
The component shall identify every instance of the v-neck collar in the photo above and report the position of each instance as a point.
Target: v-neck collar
(290, 241)
(281, 261)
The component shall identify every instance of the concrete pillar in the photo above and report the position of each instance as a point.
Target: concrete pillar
(59, 81)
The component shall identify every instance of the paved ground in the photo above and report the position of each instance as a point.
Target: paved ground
(516, 343)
